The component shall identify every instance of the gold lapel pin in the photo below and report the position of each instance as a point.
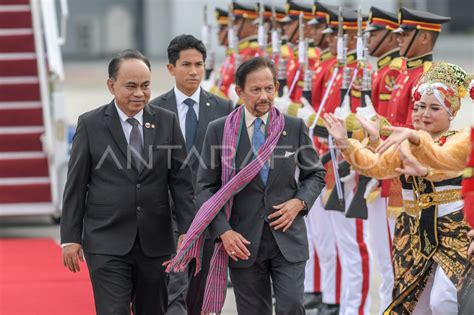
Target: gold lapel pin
(147, 125)
(284, 132)
(208, 104)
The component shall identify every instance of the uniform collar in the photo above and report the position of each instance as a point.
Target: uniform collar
(420, 60)
(325, 54)
(386, 58)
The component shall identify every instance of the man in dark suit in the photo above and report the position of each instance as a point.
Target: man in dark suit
(265, 236)
(195, 109)
(125, 158)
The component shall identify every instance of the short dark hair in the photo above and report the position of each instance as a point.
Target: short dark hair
(127, 54)
(184, 42)
(251, 66)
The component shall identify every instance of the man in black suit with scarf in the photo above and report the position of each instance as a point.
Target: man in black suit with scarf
(195, 109)
(126, 157)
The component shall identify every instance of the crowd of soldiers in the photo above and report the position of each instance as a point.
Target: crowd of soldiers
(321, 54)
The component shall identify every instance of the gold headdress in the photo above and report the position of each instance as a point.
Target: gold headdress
(448, 82)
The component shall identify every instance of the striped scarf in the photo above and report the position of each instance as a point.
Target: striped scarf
(191, 247)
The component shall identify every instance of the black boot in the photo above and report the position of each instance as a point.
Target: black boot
(312, 300)
(329, 309)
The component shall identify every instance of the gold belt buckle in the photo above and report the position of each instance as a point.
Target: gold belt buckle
(425, 201)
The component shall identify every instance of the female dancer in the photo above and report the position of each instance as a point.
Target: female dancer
(439, 233)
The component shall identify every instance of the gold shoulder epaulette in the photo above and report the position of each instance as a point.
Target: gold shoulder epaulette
(427, 65)
(312, 53)
(285, 51)
(396, 63)
(254, 45)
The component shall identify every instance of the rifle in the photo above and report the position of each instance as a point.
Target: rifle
(262, 33)
(276, 53)
(358, 207)
(301, 53)
(336, 198)
(232, 37)
(206, 39)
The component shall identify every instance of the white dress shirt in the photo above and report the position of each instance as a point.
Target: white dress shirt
(183, 108)
(126, 126)
(250, 119)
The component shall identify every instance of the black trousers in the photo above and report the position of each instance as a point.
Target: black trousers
(133, 281)
(197, 284)
(252, 285)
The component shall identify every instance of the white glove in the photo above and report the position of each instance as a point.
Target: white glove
(349, 182)
(349, 178)
(368, 111)
(345, 109)
(371, 185)
(232, 94)
(306, 111)
(282, 102)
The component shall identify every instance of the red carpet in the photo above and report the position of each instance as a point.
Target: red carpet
(33, 280)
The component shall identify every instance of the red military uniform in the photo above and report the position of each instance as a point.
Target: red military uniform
(389, 68)
(468, 186)
(400, 106)
(326, 62)
(334, 97)
(248, 48)
(226, 72)
(292, 69)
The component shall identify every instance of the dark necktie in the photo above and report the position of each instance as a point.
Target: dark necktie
(136, 143)
(191, 124)
(258, 139)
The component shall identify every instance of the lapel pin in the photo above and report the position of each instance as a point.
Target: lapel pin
(208, 104)
(284, 132)
(147, 125)
(152, 126)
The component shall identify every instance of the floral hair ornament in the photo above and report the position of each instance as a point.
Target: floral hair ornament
(449, 83)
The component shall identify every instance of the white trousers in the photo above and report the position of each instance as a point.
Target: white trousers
(351, 240)
(324, 240)
(381, 235)
(312, 278)
(439, 296)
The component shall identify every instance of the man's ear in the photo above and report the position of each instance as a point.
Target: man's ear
(238, 90)
(426, 38)
(170, 68)
(277, 87)
(110, 86)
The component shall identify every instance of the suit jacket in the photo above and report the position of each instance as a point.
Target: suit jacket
(106, 202)
(211, 107)
(254, 202)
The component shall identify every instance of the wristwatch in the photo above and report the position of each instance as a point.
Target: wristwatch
(305, 206)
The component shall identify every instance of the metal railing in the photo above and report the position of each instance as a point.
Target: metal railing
(48, 42)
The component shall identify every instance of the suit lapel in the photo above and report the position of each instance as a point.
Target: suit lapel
(277, 158)
(149, 132)
(170, 102)
(206, 115)
(115, 127)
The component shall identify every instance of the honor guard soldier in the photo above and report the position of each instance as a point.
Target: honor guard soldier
(418, 33)
(320, 233)
(227, 69)
(344, 97)
(326, 58)
(306, 56)
(246, 30)
(382, 43)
